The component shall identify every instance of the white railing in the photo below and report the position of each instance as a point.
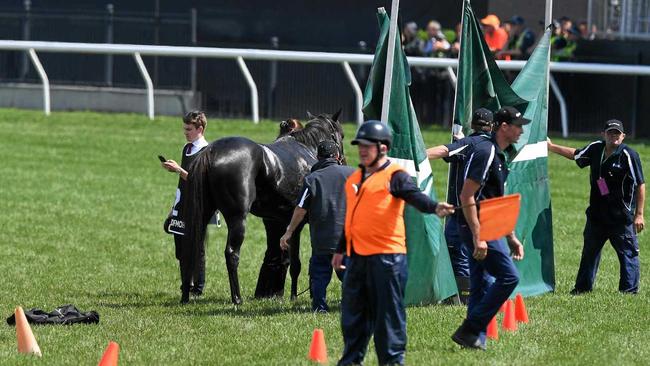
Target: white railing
(239, 55)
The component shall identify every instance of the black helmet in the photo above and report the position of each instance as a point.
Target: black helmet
(327, 149)
(371, 132)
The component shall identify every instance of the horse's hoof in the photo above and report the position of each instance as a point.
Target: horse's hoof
(294, 297)
(237, 301)
(185, 298)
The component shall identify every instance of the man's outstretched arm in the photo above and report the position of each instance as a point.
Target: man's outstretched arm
(567, 152)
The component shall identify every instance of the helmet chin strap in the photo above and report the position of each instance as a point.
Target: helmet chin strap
(379, 154)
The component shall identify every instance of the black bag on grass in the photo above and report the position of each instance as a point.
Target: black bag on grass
(66, 314)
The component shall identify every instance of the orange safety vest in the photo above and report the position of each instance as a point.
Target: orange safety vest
(374, 218)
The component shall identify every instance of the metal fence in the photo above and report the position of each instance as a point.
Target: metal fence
(343, 59)
(110, 25)
(627, 19)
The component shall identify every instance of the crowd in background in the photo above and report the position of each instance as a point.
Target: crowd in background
(508, 40)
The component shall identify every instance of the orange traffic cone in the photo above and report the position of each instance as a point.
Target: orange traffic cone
(24, 336)
(493, 329)
(111, 355)
(509, 322)
(520, 309)
(502, 309)
(318, 349)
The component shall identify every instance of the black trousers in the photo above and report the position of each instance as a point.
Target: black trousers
(198, 277)
(373, 304)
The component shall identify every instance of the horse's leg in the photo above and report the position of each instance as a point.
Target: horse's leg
(274, 269)
(236, 232)
(294, 259)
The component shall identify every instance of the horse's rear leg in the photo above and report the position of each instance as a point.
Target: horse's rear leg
(273, 273)
(236, 231)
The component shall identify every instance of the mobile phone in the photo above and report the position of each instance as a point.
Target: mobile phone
(162, 158)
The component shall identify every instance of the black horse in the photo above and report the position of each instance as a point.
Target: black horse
(238, 176)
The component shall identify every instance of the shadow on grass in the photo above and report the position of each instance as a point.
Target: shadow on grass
(125, 299)
(205, 305)
(254, 308)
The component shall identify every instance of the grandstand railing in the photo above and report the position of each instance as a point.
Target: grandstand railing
(240, 55)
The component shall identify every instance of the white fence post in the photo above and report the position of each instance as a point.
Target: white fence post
(147, 81)
(563, 110)
(44, 80)
(358, 96)
(452, 76)
(255, 109)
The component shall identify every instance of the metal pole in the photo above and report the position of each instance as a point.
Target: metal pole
(44, 80)
(358, 96)
(193, 40)
(24, 64)
(590, 7)
(548, 19)
(452, 76)
(108, 71)
(563, 110)
(147, 81)
(156, 37)
(548, 13)
(623, 15)
(273, 80)
(390, 57)
(251, 84)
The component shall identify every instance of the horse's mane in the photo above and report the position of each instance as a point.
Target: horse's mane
(316, 130)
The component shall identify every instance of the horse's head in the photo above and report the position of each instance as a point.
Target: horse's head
(333, 129)
(322, 127)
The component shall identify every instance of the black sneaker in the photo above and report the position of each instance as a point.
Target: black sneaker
(466, 339)
(196, 291)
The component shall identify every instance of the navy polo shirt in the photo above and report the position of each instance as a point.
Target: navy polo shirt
(486, 165)
(621, 172)
(323, 195)
(459, 152)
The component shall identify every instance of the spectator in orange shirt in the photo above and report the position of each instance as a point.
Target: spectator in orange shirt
(495, 36)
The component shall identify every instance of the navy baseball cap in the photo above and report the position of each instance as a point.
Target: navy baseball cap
(482, 117)
(511, 116)
(327, 149)
(614, 124)
(517, 20)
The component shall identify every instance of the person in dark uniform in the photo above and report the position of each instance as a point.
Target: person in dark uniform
(375, 243)
(520, 41)
(485, 174)
(194, 124)
(615, 211)
(456, 154)
(322, 198)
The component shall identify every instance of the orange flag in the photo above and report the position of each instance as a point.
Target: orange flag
(498, 216)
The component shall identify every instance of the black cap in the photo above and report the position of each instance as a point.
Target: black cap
(516, 20)
(371, 132)
(327, 149)
(482, 117)
(511, 116)
(613, 124)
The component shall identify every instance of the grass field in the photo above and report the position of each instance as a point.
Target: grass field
(83, 198)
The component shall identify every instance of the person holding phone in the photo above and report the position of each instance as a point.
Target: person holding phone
(194, 124)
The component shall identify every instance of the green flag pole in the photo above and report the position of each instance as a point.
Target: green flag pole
(390, 58)
(548, 19)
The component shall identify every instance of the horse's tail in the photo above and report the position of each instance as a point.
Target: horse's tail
(198, 207)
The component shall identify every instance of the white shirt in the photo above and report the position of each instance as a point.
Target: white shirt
(197, 145)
